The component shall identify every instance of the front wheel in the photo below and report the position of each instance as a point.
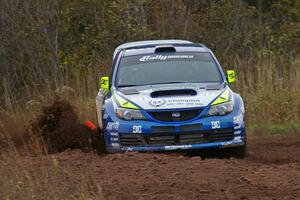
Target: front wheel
(237, 152)
(98, 141)
(102, 142)
(240, 151)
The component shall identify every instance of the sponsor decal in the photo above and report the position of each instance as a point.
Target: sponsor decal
(114, 134)
(175, 115)
(126, 148)
(157, 102)
(237, 141)
(112, 126)
(136, 129)
(114, 139)
(183, 101)
(227, 143)
(116, 145)
(238, 138)
(165, 57)
(178, 147)
(238, 119)
(170, 102)
(237, 132)
(215, 124)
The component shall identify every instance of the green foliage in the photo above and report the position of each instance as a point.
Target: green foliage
(48, 44)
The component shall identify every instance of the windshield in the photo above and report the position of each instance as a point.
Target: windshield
(167, 68)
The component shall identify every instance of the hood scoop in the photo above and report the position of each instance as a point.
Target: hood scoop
(170, 93)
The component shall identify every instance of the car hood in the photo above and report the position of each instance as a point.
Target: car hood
(172, 96)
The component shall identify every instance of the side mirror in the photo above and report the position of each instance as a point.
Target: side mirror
(231, 76)
(104, 82)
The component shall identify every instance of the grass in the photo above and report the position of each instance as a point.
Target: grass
(272, 128)
(43, 177)
(271, 96)
(270, 91)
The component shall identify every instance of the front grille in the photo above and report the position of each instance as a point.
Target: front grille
(192, 138)
(132, 140)
(173, 116)
(161, 140)
(221, 135)
(163, 129)
(190, 127)
(170, 129)
(206, 136)
(158, 139)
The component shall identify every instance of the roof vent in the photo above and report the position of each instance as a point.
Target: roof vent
(165, 48)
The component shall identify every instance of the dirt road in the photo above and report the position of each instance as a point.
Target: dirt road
(270, 171)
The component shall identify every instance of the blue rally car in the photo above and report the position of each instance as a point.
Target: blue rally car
(165, 95)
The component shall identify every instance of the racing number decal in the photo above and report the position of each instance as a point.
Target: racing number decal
(215, 124)
(136, 129)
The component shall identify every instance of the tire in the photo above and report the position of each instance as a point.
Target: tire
(238, 152)
(99, 140)
(102, 142)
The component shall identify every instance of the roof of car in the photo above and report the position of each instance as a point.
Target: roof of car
(148, 46)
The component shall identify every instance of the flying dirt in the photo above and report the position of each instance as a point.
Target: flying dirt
(271, 169)
(58, 129)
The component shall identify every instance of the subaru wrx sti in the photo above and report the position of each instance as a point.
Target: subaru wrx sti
(165, 95)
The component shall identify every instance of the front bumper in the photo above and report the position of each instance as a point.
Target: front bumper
(210, 145)
(204, 133)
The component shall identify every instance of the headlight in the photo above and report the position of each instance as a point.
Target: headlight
(129, 114)
(220, 109)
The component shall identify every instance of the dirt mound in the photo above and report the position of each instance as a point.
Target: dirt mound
(3, 140)
(270, 171)
(58, 129)
(276, 150)
(3, 143)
